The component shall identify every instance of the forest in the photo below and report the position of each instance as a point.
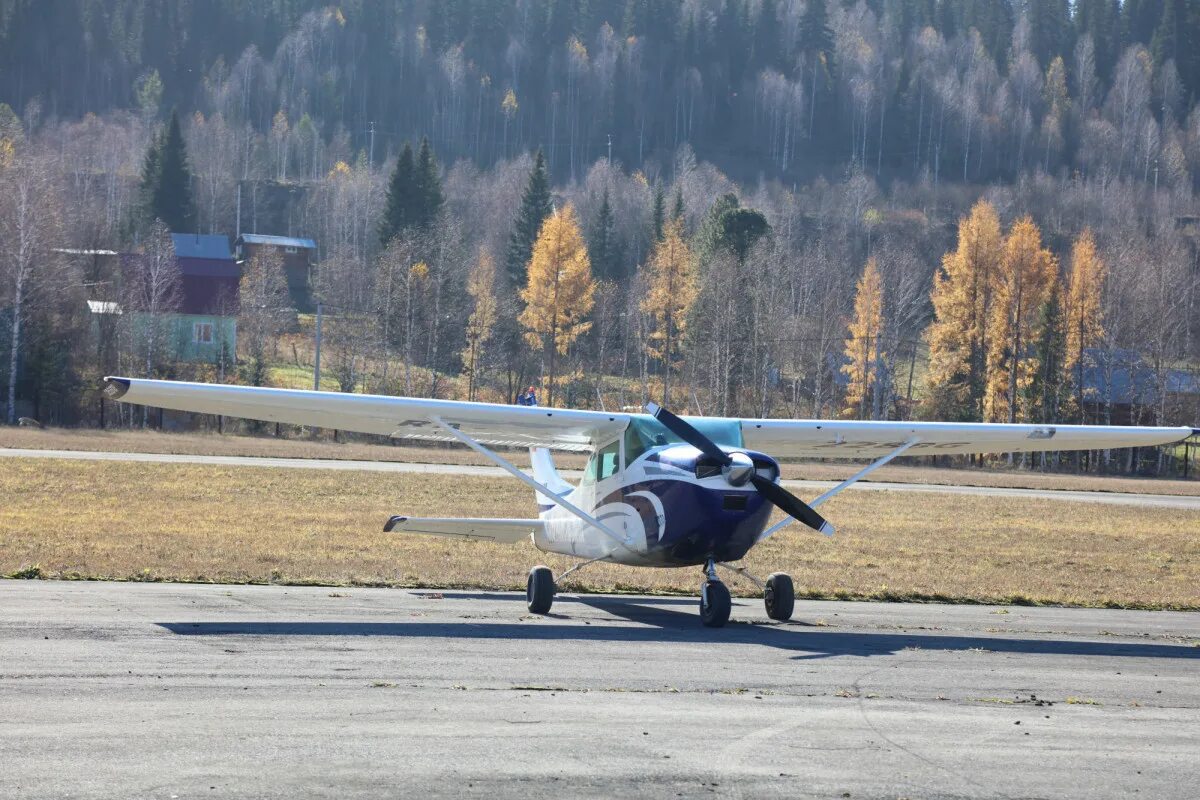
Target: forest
(872, 209)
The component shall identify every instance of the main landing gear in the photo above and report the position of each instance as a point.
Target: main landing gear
(539, 590)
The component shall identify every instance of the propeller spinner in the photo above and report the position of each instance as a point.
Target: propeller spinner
(737, 468)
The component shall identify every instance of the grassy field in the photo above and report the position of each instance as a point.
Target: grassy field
(267, 446)
(200, 523)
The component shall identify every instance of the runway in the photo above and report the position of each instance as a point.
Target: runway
(169, 690)
(1181, 502)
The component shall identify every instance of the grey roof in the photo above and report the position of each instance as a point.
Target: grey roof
(1124, 376)
(278, 241)
(195, 245)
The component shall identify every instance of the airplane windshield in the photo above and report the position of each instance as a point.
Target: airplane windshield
(644, 433)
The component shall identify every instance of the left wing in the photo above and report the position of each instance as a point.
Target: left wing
(398, 417)
(848, 439)
(509, 531)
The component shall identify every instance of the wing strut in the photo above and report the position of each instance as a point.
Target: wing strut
(846, 484)
(521, 476)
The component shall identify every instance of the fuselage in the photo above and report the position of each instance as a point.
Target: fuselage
(669, 503)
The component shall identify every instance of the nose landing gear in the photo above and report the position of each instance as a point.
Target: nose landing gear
(715, 603)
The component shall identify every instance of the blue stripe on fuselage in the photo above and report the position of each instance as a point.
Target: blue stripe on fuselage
(697, 524)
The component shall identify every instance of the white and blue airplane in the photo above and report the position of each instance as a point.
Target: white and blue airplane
(658, 490)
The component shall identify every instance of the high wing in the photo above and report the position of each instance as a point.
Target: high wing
(564, 429)
(398, 417)
(845, 439)
(509, 531)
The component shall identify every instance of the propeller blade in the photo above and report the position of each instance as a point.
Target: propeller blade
(689, 434)
(791, 505)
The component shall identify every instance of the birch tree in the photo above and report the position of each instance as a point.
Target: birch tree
(30, 225)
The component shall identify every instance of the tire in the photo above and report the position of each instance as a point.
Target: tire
(539, 590)
(780, 596)
(715, 604)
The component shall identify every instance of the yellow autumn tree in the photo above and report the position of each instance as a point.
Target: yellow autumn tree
(560, 291)
(481, 285)
(864, 345)
(670, 292)
(1025, 281)
(958, 336)
(1083, 313)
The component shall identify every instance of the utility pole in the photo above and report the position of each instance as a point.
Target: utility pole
(317, 358)
(371, 154)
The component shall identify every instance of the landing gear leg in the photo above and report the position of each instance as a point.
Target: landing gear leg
(715, 603)
(539, 590)
(779, 596)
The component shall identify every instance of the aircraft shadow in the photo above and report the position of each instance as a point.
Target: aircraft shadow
(653, 623)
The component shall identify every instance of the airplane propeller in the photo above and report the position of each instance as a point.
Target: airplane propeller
(738, 469)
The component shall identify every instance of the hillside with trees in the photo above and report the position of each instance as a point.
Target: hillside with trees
(874, 209)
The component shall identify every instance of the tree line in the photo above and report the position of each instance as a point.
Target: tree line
(798, 292)
(937, 90)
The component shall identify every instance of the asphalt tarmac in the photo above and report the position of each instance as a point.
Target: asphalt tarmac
(1186, 503)
(170, 690)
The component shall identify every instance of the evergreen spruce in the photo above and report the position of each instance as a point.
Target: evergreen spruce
(167, 180)
(603, 248)
(678, 210)
(536, 205)
(658, 213)
(428, 187)
(400, 213)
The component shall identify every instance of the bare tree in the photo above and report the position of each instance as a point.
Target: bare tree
(30, 226)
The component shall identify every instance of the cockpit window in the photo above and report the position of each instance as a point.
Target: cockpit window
(604, 463)
(645, 433)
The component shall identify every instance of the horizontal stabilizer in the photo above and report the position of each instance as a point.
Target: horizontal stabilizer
(509, 531)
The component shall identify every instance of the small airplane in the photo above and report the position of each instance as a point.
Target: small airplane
(658, 490)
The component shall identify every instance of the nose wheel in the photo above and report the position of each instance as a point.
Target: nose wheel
(715, 602)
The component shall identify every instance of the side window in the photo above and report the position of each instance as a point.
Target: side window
(604, 463)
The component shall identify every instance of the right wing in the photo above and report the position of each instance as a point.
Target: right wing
(508, 531)
(397, 417)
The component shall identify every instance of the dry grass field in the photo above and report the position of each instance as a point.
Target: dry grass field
(271, 447)
(203, 523)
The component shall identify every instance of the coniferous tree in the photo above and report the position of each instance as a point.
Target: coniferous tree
(536, 206)
(1083, 313)
(958, 336)
(678, 209)
(401, 211)
(428, 187)
(658, 213)
(167, 180)
(481, 286)
(603, 249)
(864, 345)
(1023, 284)
(560, 292)
(670, 292)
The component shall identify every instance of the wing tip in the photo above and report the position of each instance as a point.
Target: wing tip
(652, 408)
(392, 522)
(826, 528)
(115, 388)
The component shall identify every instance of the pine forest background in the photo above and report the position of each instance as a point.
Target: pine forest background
(870, 209)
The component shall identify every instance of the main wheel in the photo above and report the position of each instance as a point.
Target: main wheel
(539, 590)
(715, 604)
(780, 596)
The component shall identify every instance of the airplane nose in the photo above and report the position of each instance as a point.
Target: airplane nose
(739, 469)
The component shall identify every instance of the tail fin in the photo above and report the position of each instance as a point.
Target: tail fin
(545, 474)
